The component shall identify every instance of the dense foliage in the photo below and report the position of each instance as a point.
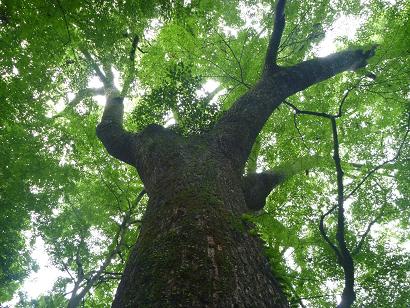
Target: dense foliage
(57, 182)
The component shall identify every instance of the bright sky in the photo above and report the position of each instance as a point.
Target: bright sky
(41, 282)
(344, 26)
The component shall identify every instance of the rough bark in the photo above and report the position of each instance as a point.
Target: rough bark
(193, 249)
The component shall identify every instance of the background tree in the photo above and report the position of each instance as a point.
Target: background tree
(45, 56)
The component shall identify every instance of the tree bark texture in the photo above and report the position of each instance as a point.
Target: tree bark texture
(193, 249)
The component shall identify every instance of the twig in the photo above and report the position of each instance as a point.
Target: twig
(382, 164)
(235, 57)
(357, 249)
(299, 132)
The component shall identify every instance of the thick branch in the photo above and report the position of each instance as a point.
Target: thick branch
(312, 71)
(274, 42)
(252, 163)
(118, 142)
(237, 129)
(257, 186)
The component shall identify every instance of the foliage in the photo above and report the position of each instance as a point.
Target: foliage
(178, 97)
(57, 182)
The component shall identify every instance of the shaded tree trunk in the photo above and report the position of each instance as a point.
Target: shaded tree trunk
(194, 250)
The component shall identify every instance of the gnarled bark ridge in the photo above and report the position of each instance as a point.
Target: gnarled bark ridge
(193, 249)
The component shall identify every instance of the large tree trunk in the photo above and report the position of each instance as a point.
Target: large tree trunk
(194, 250)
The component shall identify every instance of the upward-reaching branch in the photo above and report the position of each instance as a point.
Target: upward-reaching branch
(131, 69)
(274, 42)
(116, 245)
(118, 142)
(95, 66)
(342, 252)
(236, 130)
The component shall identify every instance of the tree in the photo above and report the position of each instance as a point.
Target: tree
(197, 244)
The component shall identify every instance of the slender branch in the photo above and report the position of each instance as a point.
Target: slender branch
(111, 273)
(95, 66)
(130, 76)
(318, 296)
(308, 112)
(274, 42)
(210, 96)
(325, 236)
(113, 192)
(116, 244)
(357, 249)
(284, 44)
(67, 270)
(342, 252)
(229, 75)
(238, 62)
(82, 94)
(346, 260)
(345, 95)
(295, 123)
(339, 113)
(371, 172)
